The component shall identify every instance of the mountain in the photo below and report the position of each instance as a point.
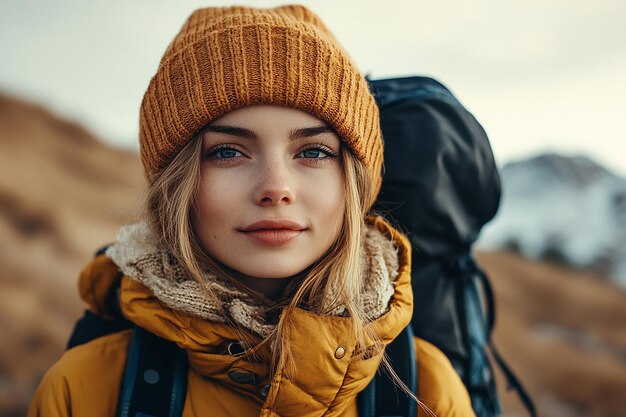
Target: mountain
(565, 209)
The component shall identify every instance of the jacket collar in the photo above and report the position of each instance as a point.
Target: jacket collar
(328, 376)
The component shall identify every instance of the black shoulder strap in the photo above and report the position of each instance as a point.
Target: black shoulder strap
(512, 381)
(92, 326)
(382, 398)
(155, 378)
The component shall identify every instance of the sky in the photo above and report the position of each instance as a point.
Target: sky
(540, 76)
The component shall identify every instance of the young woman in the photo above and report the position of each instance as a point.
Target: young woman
(258, 255)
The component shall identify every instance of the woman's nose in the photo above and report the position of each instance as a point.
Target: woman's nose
(274, 187)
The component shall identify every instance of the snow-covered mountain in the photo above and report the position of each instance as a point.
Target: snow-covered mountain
(568, 209)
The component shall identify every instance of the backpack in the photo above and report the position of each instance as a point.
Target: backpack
(440, 187)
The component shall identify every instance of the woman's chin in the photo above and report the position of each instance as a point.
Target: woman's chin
(273, 272)
(267, 265)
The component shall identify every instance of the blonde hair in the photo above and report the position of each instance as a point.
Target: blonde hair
(169, 213)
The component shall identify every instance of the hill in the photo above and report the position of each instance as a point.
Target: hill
(62, 195)
(562, 331)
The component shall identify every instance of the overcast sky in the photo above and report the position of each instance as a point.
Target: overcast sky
(539, 75)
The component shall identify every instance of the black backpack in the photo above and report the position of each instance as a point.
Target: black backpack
(441, 186)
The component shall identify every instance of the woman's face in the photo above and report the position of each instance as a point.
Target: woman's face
(271, 198)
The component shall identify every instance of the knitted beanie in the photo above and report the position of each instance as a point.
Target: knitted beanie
(227, 58)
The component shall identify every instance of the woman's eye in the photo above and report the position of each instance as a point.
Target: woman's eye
(312, 153)
(315, 153)
(227, 153)
(224, 153)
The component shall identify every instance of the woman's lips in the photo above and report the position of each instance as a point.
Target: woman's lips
(273, 237)
(274, 232)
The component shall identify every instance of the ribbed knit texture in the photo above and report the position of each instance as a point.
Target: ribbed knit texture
(227, 58)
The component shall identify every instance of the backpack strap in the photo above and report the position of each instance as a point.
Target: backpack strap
(155, 378)
(512, 381)
(470, 265)
(92, 326)
(381, 398)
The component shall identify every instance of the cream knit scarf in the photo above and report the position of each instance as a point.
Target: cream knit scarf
(139, 257)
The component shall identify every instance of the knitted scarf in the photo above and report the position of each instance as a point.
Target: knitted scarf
(138, 255)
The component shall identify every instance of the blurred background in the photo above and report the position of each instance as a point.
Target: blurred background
(547, 80)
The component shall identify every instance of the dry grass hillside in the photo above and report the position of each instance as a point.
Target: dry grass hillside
(564, 334)
(63, 194)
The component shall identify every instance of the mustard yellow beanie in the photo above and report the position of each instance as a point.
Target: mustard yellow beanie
(227, 58)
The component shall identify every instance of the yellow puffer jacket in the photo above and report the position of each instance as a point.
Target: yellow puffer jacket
(86, 380)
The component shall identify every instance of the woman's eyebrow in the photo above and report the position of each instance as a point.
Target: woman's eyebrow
(305, 132)
(308, 132)
(231, 130)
